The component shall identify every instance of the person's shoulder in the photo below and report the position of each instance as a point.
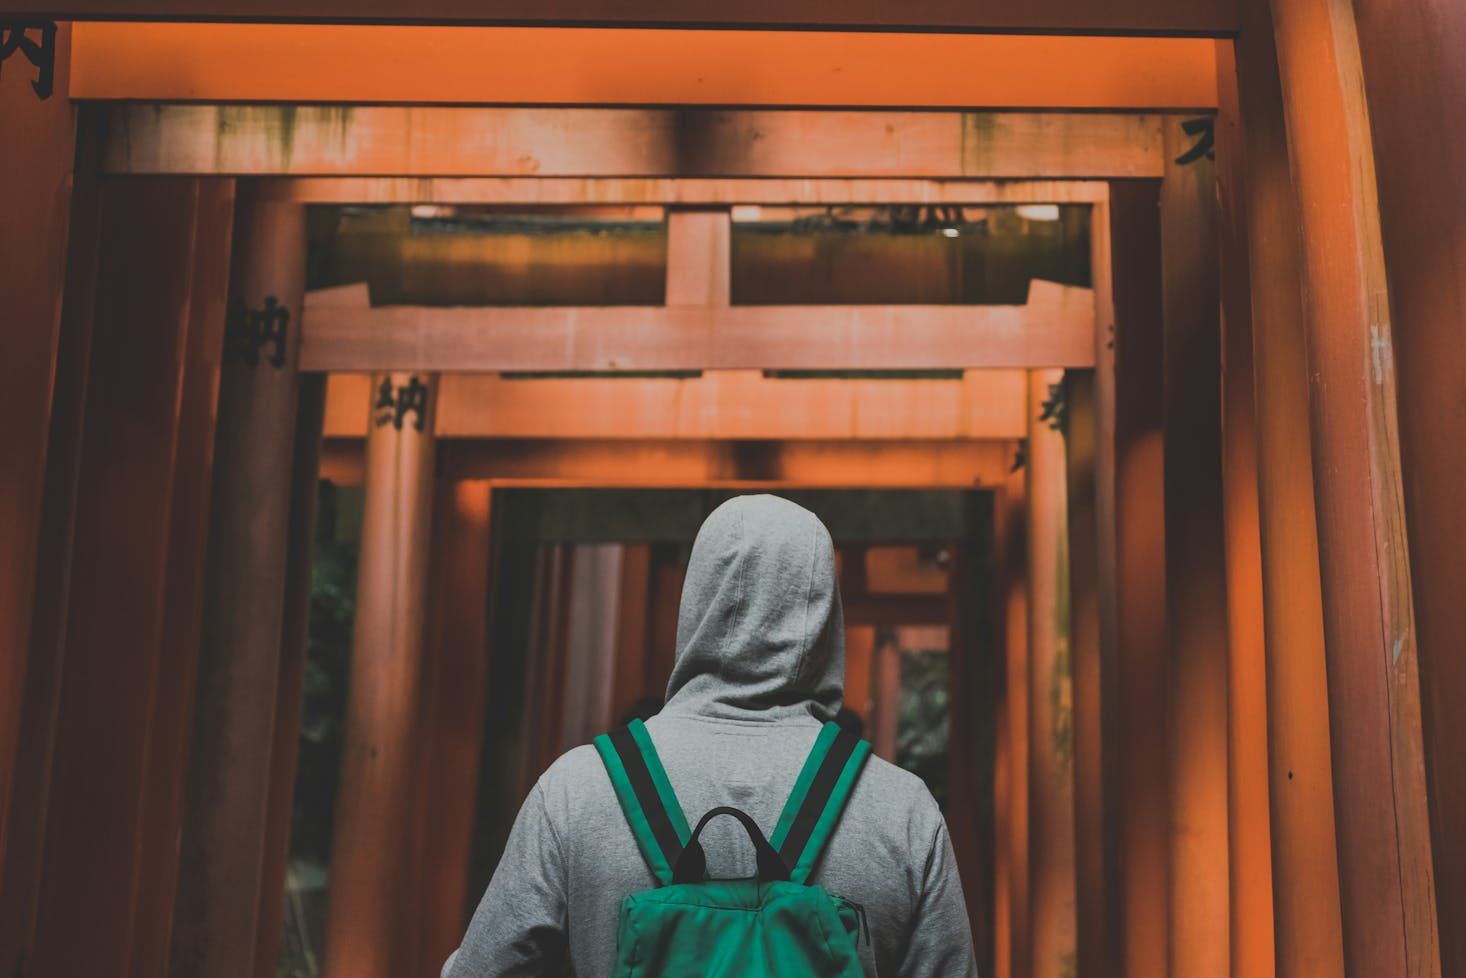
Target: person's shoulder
(576, 777)
(897, 785)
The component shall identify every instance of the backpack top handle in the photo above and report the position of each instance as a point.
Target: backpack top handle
(692, 863)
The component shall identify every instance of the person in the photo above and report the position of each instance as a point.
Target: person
(759, 668)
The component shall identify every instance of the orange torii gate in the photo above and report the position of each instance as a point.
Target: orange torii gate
(1359, 751)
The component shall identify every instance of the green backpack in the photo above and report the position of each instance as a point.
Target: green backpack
(775, 924)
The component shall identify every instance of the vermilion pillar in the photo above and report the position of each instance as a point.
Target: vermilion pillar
(228, 800)
(1051, 684)
(1249, 844)
(1012, 545)
(1415, 83)
(1196, 585)
(368, 856)
(1385, 858)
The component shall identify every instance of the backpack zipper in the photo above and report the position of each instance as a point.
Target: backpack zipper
(862, 923)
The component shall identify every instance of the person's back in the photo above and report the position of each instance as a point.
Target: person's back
(760, 666)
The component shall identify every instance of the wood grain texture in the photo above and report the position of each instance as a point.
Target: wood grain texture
(461, 141)
(1385, 858)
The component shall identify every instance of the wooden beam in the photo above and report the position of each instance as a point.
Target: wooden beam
(368, 862)
(459, 141)
(1196, 581)
(694, 464)
(585, 66)
(721, 405)
(825, 191)
(1249, 845)
(1196, 17)
(699, 252)
(1055, 329)
(1305, 870)
(1386, 872)
(1415, 82)
(232, 759)
(35, 191)
(1140, 572)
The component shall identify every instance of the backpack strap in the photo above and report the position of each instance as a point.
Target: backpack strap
(646, 797)
(818, 799)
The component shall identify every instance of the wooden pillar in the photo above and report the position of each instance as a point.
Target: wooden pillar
(134, 570)
(1415, 82)
(859, 664)
(1249, 848)
(1196, 585)
(1050, 685)
(1140, 576)
(368, 859)
(223, 848)
(885, 694)
(631, 681)
(1089, 736)
(1011, 538)
(451, 727)
(290, 684)
(1305, 885)
(1385, 865)
(35, 197)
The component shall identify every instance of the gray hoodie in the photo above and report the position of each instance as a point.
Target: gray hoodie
(760, 666)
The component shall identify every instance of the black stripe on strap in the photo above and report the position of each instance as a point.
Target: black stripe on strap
(818, 796)
(646, 794)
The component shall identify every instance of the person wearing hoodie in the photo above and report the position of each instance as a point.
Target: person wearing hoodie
(760, 666)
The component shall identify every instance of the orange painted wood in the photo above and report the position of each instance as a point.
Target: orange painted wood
(20, 875)
(1385, 857)
(1055, 328)
(885, 713)
(1061, 16)
(632, 680)
(119, 575)
(450, 732)
(1249, 843)
(1305, 884)
(35, 194)
(1099, 908)
(969, 686)
(859, 665)
(581, 66)
(677, 190)
(1002, 942)
(1011, 544)
(729, 404)
(1089, 661)
(290, 685)
(1196, 573)
(231, 762)
(461, 141)
(699, 253)
(166, 777)
(368, 863)
(666, 601)
(1140, 561)
(1416, 89)
(1050, 690)
(725, 465)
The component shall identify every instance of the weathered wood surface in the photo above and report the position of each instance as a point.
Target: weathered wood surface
(585, 66)
(1248, 840)
(368, 860)
(1385, 859)
(677, 190)
(1054, 329)
(723, 405)
(1050, 686)
(1305, 885)
(1140, 561)
(1041, 16)
(231, 761)
(35, 196)
(1196, 579)
(1013, 950)
(461, 141)
(1415, 83)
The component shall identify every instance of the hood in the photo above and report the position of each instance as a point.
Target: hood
(760, 633)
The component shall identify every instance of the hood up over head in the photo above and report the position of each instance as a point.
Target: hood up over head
(760, 633)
